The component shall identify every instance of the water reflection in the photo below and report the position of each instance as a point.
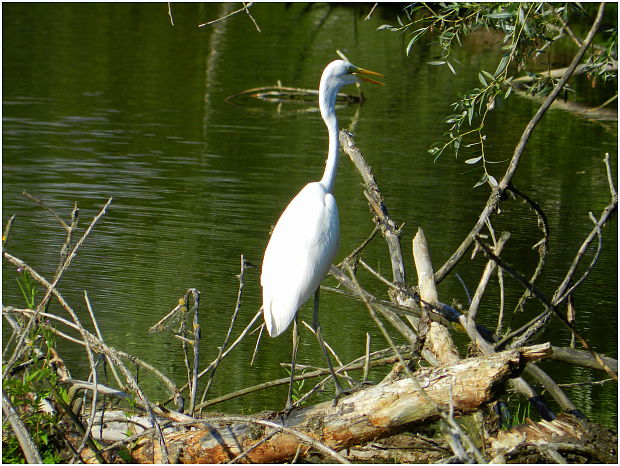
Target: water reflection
(110, 100)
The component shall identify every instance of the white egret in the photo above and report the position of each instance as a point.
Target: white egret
(305, 239)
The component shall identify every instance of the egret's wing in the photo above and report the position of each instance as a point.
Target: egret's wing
(300, 251)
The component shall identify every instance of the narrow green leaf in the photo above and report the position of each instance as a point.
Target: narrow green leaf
(436, 62)
(482, 181)
(502, 15)
(492, 180)
(521, 15)
(451, 67)
(417, 34)
(482, 80)
(488, 75)
(473, 161)
(502, 64)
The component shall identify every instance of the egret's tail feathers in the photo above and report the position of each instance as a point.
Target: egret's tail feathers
(276, 321)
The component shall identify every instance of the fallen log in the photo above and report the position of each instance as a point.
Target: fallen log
(372, 413)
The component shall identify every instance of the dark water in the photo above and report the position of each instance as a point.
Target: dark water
(105, 100)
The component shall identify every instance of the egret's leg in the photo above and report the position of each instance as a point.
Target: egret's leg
(289, 400)
(319, 335)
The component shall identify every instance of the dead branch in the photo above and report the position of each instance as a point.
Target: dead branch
(388, 227)
(246, 8)
(240, 277)
(548, 306)
(25, 440)
(439, 339)
(581, 358)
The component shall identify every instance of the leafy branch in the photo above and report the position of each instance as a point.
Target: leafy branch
(528, 29)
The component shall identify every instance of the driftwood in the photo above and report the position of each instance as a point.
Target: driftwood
(368, 414)
(386, 417)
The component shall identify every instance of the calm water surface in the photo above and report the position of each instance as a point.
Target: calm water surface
(110, 100)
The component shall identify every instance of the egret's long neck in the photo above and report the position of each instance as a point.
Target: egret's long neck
(327, 104)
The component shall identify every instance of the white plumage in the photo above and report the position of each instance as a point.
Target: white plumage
(305, 239)
(301, 249)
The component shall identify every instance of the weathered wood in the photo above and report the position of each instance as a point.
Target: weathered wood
(375, 412)
(565, 434)
(581, 358)
(438, 340)
(382, 219)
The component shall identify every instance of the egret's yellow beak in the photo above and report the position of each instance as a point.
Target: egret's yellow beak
(362, 73)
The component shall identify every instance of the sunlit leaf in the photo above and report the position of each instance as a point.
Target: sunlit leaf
(488, 75)
(502, 64)
(482, 181)
(473, 161)
(416, 35)
(492, 180)
(482, 80)
(436, 62)
(502, 15)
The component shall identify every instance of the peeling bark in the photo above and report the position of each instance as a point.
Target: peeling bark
(372, 413)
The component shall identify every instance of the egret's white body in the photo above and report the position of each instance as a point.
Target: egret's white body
(305, 239)
(303, 245)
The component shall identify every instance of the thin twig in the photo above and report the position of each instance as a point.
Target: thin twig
(371, 12)
(357, 364)
(356, 252)
(367, 362)
(484, 280)
(548, 305)
(226, 353)
(50, 289)
(100, 336)
(99, 345)
(266, 438)
(541, 246)
(233, 319)
(46, 207)
(329, 348)
(561, 292)
(170, 13)
(258, 338)
(196, 344)
(599, 247)
(7, 229)
(245, 8)
(610, 179)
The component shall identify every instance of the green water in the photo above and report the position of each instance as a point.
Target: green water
(105, 100)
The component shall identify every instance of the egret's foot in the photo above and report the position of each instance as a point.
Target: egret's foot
(340, 392)
(359, 386)
(289, 407)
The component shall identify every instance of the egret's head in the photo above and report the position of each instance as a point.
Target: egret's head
(340, 73)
